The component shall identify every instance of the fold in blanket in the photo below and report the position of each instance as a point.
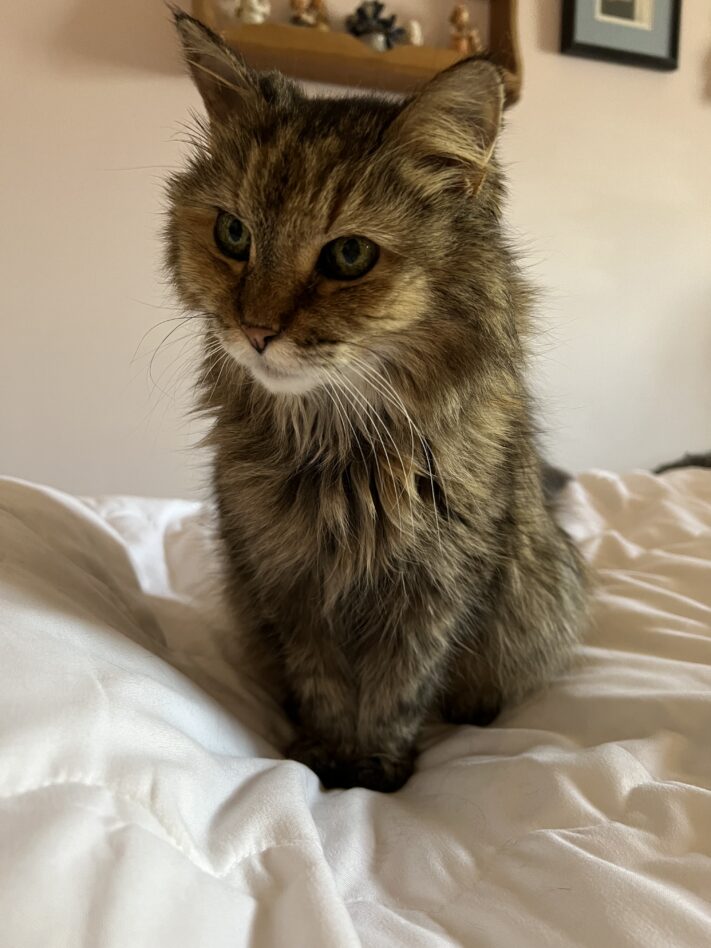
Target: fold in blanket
(144, 801)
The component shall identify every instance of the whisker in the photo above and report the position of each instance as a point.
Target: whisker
(357, 363)
(425, 448)
(190, 337)
(222, 361)
(341, 418)
(376, 418)
(184, 317)
(364, 427)
(387, 430)
(189, 334)
(166, 309)
(155, 353)
(333, 384)
(171, 168)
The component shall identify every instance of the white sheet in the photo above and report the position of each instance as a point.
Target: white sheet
(143, 803)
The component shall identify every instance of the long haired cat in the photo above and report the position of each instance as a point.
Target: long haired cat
(377, 480)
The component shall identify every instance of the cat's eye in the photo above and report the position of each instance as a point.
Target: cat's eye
(232, 236)
(348, 258)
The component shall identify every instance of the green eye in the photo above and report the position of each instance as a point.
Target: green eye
(232, 236)
(348, 258)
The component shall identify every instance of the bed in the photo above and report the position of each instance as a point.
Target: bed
(144, 802)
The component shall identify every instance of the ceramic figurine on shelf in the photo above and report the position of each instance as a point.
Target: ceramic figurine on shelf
(228, 8)
(394, 35)
(377, 31)
(365, 19)
(301, 13)
(465, 39)
(413, 33)
(253, 11)
(319, 11)
(311, 13)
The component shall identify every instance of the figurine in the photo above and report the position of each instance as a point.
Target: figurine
(394, 35)
(311, 13)
(253, 11)
(413, 33)
(376, 41)
(320, 13)
(228, 8)
(365, 19)
(301, 13)
(465, 39)
(377, 31)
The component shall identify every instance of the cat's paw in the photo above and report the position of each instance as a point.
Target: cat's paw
(379, 772)
(480, 715)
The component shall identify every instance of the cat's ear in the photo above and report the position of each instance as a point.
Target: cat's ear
(445, 135)
(226, 85)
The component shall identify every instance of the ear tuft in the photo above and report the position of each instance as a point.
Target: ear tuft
(225, 83)
(446, 134)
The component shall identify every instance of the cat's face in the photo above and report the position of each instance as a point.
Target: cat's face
(289, 235)
(316, 233)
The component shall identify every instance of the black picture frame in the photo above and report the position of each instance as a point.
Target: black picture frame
(572, 46)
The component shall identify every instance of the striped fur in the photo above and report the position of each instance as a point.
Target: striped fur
(379, 490)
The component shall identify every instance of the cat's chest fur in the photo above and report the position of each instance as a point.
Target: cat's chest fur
(313, 519)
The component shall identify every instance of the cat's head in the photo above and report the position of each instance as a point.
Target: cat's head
(325, 234)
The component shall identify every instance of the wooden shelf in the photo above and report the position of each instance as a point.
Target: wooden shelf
(339, 58)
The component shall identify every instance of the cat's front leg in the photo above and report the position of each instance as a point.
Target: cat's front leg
(322, 703)
(399, 678)
(359, 727)
(348, 732)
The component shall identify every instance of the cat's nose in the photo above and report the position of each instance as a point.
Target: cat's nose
(259, 337)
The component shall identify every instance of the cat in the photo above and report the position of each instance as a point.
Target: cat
(688, 460)
(377, 481)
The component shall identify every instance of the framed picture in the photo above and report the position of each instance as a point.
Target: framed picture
(638, 32)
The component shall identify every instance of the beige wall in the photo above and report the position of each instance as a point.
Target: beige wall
(611, 201)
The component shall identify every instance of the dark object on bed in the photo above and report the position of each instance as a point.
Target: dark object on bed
(554, 480)
(689, 460)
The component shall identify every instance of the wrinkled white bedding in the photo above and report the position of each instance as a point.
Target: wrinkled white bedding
(143, 802)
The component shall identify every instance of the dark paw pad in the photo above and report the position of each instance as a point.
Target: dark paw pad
(377, 772)
(383, 774)
(478, 715)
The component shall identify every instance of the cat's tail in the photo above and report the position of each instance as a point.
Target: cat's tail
(689, 460)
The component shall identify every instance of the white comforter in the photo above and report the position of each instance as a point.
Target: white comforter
(144, 802)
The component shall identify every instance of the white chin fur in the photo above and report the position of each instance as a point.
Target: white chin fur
(283, 384)
(275, 379)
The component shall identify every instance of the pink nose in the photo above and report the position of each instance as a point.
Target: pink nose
(259, 337)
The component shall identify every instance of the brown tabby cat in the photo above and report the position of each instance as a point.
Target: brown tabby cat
(377, 479)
